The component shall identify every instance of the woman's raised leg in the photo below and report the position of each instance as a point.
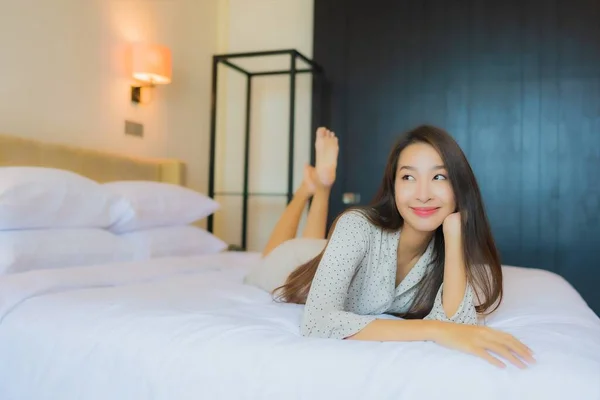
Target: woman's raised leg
(287, 225)
(317, 181)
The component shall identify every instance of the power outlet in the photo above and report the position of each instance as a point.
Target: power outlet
(134, 129)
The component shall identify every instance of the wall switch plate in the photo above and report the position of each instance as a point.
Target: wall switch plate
(134, 128)
(351, 198)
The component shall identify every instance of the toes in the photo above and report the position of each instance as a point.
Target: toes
(323, 132)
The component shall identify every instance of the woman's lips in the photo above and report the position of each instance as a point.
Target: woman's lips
(424, 211)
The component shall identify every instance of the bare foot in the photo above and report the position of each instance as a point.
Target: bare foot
(308, 181)
(326, 148)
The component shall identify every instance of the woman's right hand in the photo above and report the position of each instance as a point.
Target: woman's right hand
(481, 340)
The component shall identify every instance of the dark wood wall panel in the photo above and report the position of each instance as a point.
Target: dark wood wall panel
(517, 83)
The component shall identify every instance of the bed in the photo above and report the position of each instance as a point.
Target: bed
(187, 327)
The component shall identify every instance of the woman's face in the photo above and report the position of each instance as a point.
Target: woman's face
(423, 193)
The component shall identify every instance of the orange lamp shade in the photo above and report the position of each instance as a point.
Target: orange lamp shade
(151, 63)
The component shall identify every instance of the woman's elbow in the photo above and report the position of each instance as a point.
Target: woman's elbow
(305, 330)
(310, 326)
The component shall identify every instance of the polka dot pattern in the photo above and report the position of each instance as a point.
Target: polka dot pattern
(356, 282)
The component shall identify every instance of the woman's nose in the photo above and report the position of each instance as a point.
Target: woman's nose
(423, 191)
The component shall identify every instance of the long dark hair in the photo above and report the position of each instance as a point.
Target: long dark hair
(484, 270)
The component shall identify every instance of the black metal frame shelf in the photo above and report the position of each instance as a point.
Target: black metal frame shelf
(225, 59)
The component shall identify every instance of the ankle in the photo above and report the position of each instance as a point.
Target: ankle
(303, 192)
(323, 190)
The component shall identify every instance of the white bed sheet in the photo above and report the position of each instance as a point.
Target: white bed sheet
(187, 328)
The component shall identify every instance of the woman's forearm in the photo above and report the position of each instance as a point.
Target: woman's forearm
(386, 330)
(455, 276)
(470, 339)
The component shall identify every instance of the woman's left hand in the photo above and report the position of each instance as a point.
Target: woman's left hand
(452, 225)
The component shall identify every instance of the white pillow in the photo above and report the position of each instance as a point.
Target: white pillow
(273, 270)
(37, 197)
(26, 250)
(537, 295)
(173, 241)
(157, 204)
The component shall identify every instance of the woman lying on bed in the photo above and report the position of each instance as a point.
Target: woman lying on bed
(422, 251)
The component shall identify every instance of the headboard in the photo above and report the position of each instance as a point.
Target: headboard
(97, 165)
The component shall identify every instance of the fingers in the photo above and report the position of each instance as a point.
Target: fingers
(488, 357)
(523, 351)
(508, 347)
(481, 341)
(506, 353)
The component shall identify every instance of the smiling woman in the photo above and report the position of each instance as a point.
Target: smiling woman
(412, 253)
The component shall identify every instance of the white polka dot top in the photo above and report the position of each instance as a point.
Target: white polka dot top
(356, 281)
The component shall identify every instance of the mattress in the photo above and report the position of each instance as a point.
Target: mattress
(188, 328)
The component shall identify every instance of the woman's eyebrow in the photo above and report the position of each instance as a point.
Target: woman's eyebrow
(414, 169)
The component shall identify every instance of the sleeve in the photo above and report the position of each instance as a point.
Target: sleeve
(324, 314)
(465, 314)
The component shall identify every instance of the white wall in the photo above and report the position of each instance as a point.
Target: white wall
(257, 25)
(64, 76)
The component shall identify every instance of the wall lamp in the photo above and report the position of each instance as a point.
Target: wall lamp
(151, 66)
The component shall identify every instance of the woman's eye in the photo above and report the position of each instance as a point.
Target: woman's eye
(439, 177)
(407, 178)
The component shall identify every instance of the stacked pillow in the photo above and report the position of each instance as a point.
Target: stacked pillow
(52, 218)
(157, 217)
